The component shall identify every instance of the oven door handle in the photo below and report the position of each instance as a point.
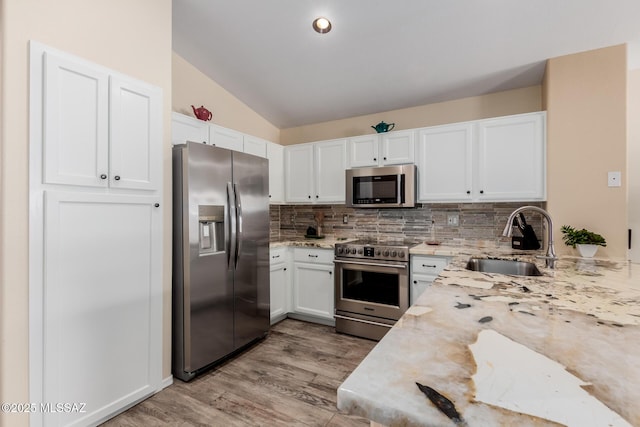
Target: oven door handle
(370, 264)
(368, 322)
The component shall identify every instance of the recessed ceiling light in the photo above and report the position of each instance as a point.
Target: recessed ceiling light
(321, 25)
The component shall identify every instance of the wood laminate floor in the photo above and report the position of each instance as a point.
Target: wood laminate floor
(288, 379)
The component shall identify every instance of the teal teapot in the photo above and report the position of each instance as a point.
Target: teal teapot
(383, 127)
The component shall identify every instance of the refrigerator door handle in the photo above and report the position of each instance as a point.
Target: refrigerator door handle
(231, 235)
(238, 223)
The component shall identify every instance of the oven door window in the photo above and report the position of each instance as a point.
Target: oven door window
(372, 287)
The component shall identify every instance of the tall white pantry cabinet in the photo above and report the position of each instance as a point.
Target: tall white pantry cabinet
(95, 291)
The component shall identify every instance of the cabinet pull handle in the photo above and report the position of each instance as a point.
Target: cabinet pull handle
(275, 256)
(157, 205)
(117, 177)
(103, 176)
(429, 265)
(313, 256)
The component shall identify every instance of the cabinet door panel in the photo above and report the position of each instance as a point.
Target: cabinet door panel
(226, 138)
(330, 160)
(255, 146)
(363, 151)
(275, 154)
(135, 135)
(278, 291)
(185, 128)
(445, 163)
(313, 290)
(75, 120)
(398, 147)
(103, 302)
(299, 173)
(511, 158)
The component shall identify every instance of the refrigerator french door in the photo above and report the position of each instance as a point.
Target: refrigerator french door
(220, 253)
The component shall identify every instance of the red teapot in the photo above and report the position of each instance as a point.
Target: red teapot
(202, 113)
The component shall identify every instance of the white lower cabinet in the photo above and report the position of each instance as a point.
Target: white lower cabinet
(280, 284)
(313, 283)
(102, 292)
(424, 270)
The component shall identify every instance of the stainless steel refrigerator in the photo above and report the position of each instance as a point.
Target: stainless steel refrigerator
(220, 255)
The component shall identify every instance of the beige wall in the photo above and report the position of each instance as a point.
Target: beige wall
(131, 37)
(192, 87)
(496, 104)
(633, 161)
(585, 97)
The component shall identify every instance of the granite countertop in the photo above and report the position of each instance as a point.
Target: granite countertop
(576, 327)
(328, 242)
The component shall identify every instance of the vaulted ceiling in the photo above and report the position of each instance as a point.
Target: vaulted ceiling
(387, 54)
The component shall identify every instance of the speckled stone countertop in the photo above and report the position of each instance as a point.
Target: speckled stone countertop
(584, 315)
(328, 242)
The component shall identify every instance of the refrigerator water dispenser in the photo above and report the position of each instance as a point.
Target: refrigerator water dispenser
(211, 229)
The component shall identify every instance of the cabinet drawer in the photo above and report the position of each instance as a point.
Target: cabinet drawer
(277, 255)
(428, 265)
(321, 256)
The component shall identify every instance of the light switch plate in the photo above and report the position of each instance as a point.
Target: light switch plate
(614, 179)
(453, 220)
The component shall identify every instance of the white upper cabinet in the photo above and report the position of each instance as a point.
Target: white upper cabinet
(99, 130)
(444, 158)
(330, 163)
(185, 128)
(254, 145)
(135, 135)
(382, 149)
(314, 172)
(226, 138)
(298, 173)
(75, 123)
(275, 154)
(502, 159)
(511, 158)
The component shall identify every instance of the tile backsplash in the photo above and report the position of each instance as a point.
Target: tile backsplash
(476, 221)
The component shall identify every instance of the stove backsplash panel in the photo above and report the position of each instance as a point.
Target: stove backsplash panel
(476, 221)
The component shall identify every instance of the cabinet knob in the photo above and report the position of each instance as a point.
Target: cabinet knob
(103, 176)
(309, 196)
(375, 159)
(317, 196)
(269, 195)
(284, 269)
(157, 205)
(384, 158)
(481, 191)
(468, 192)
(331, 272)
(117, 177)
(415, 282)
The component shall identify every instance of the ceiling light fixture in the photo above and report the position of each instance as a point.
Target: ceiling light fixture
(321, 25)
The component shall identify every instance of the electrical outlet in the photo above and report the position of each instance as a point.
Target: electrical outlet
(453, 220)
(345, 219)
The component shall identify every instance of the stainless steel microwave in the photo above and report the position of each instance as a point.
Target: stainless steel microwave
(381, 187)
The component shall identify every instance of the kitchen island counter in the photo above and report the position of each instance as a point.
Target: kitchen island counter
(584, 316)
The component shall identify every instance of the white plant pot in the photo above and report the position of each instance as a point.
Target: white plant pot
(587, 251)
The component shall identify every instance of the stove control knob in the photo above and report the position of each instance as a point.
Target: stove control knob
(394, 254)
(401, 254)
(340, 250)
(353, 251)
(385, 253)
(360, 251)
(378, 253)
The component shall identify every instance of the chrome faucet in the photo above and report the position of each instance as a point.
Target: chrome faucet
(550, 257)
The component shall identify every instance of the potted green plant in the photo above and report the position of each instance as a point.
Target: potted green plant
(586, 241)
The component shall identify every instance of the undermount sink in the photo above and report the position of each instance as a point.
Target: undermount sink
(503, 266)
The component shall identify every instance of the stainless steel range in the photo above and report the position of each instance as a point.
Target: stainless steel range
(372, 286)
